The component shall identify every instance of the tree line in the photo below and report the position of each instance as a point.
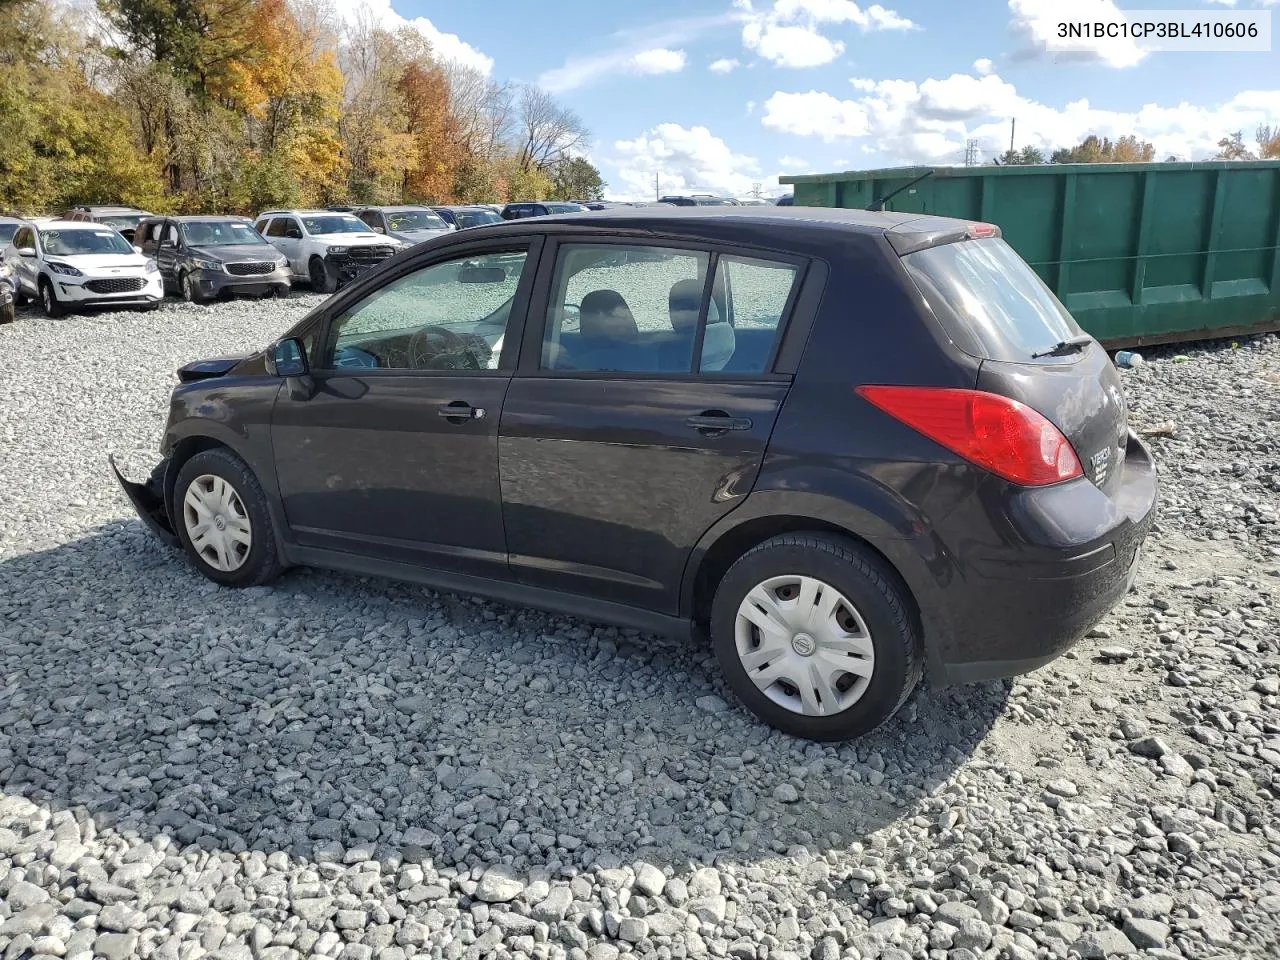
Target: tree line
(1094, 149)
(241, 105)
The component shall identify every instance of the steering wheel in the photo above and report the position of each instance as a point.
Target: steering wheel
(430, 346)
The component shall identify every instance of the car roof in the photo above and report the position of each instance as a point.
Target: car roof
(303, 213)
(107, 208)
(12, 220)
(197, 217)
(68, 225)
(394, 207)
(812, 228)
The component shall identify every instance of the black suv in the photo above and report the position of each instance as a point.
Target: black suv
(540, 208)
(853, 447)
(202, 258)
(123, 219)
(700, 200)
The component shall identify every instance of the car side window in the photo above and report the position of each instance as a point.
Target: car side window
(276, 229)
(169, 238)
(447, 316)
(372, 218)
(753, 294)
(23, 239)
(624, 308)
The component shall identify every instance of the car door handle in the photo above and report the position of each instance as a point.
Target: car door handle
(459, 411)
(717, 422)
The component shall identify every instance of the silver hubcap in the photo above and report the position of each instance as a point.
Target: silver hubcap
(186, 286)
(48, 298)
(217, 523)
(804, 645)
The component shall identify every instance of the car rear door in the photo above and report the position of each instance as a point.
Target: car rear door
(641, 411)
(26, 269)
(167, 253)
(395, 454)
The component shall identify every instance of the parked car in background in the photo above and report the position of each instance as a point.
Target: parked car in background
(786, 200)
(699, 200)
(539, 208)
(408, 224)
(67, 264)
(202, 258)
(124, 219)
(328, 249)
(466, 217)
(694, 438)
(8, 227)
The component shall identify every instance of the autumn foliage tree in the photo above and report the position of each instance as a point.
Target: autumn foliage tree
(236, 105)
(1103, 150)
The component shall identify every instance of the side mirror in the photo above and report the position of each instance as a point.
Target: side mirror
(293, 233)
(26, 251)
(379, 230)
(289, 358)
(136, 248)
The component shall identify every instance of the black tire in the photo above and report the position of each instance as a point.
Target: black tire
(7, 314)
(187, 289)
(262, 563)
(880, 601)
(322, 278)
(20, 299)
(49, 301)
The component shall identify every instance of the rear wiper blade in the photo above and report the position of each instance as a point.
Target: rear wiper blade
(1064, 347)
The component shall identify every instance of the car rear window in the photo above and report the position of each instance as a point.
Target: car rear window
(992, 304)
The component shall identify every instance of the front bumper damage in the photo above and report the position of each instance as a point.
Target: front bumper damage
(148, 500)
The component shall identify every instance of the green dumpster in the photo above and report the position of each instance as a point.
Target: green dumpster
(1139, 252)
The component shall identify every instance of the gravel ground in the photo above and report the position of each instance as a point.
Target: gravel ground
(339, 767)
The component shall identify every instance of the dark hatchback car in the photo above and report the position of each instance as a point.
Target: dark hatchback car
(853, 447)
(547, 208)
(464, 218)
(204, 258)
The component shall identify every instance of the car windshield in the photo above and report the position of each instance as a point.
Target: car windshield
(565, 208)
(69, 243)
(123, 221)
(475, 218)
(337, 223)
(407, 221)
(991, 301)
(7, 230)
(220, 233)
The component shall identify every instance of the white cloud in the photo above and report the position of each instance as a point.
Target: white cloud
(815, 114)
(1035, 24)
(929, 122)
(787, 33)
(448, 46)
(687, 160)
(724, 65)
(619, 54)
(658, 60)
(983, 66)
(789, 162)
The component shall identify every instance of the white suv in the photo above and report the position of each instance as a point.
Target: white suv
(324, 247)
(65, 264)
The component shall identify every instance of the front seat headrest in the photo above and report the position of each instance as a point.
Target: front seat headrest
(683, 302)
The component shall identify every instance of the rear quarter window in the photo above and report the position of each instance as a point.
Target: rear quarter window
(990, 301)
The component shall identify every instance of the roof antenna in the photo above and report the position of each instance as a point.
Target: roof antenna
(878, 205)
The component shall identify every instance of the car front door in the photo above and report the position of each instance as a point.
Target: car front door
(168, 255)
(26, 269)
(285, 234)
(395, 455)
(640, 415)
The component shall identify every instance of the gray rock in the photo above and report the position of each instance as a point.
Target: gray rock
(498, 885)
(1103, 944)
(711, 704)
(786, 793)
(30, 921)
(1146, 933)
(1152, 906)
(120, 918)
(956, 912)
(553, 907)
(704, 883)
(116, 946)
(973, 934)
(632, 930)
(1152, 747)
(708, 909)
(650, 881)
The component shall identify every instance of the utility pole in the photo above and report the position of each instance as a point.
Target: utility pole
(971, 152)
(1013, 125)
(657, 192)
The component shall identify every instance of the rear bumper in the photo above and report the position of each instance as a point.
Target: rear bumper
(1026, 579)
(148, 501)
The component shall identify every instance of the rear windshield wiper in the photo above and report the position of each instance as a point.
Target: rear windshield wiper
(1064, 347)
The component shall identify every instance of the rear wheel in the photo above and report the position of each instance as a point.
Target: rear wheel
(7, 314)
(49, 301)
(815, 636)
(222, 519)
(322, 278)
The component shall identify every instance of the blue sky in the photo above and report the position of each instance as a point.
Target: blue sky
(818, 85)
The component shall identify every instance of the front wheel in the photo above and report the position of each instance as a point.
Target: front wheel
(322, 278)
(49, 301)
(222, 519)
(816, 637)
(187, 287)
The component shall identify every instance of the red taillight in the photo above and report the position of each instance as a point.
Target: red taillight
(1001, 435)
(978, 230)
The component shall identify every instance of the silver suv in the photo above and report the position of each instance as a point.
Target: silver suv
(324, 247)
(408, 224)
